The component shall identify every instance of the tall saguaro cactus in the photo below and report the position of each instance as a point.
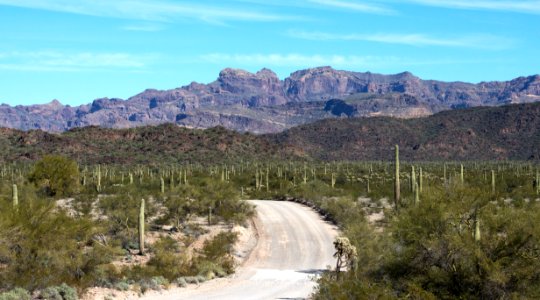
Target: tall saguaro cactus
(162, 185)
(141, 228)
(477, 234)
(413, 179)
(461, 174)
(396, 179)
(444, 173)
(416, 194)
(420, 180)
(492, 181)
(98, 185)
(15, 196)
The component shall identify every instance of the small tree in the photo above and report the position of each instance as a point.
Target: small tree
(345, 253)
(57, 175)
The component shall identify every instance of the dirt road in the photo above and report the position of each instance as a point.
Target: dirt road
(294, 245)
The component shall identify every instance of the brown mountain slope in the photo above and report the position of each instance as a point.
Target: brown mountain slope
(485, 133)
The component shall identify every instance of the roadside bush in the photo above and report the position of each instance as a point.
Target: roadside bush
(180, 282)
(61, 292)
(16, 294)
(46, 248)
(167, 261)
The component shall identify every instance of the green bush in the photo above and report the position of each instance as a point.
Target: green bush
(181, 282)
(16, 294)
(43, 247)
(61, 292)
(428, 251)
(57, 175)
(167, 261)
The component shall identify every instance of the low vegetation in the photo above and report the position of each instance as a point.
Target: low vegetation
(456, 230)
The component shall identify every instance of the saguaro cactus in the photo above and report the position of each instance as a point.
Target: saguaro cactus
(444, 173)
(15, 196)
(413, 179)
(162, 185)
(333, 180)
(141, 228)
(477, 234)
(461, 175)
(492, 181)
(420, 179)
(416, 194)
(396, 179)
(257, 179)
(98, 185)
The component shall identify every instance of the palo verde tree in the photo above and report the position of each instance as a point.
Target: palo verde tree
(56, 175)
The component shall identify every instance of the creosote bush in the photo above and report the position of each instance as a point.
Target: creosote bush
(56, 175)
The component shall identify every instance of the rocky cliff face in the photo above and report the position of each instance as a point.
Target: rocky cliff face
(262, 103)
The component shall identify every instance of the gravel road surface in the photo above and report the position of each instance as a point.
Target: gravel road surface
(294, 245)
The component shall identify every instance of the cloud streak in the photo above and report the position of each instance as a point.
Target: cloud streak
(146, 10)
(479, 41)
(143, 27)
(53, 61)
(521, 6)
(354, 6)
(295, 60)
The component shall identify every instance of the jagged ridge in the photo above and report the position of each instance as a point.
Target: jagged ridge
(263, 103)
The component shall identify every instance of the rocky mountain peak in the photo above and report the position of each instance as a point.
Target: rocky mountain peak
(267, 73)
(233, 73)
(55, 103)
(313, 72)
(261, 102)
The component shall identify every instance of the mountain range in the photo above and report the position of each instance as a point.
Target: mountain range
(481, 133)
(262, 103)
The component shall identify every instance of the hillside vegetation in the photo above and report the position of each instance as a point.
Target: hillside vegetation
(487, 133)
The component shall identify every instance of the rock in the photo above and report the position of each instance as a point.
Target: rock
(262, 103)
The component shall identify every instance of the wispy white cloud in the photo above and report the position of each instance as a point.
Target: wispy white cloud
(480, 41)
(349, 62)
(355, 6)
(143, 27)
(149, 10)
(294, 60)
(522, 6)
(53, 61)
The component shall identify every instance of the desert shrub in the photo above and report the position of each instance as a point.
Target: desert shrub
(57, 175)
(167, 261)
(153, 283)
(16, 294)
(192, 279)
(429, 251)
(44, 247)
(218, 251)
(61, 292)
(121, 286)
(210, 270)
(180, 282)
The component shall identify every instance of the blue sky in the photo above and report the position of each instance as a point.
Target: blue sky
(79, 50)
